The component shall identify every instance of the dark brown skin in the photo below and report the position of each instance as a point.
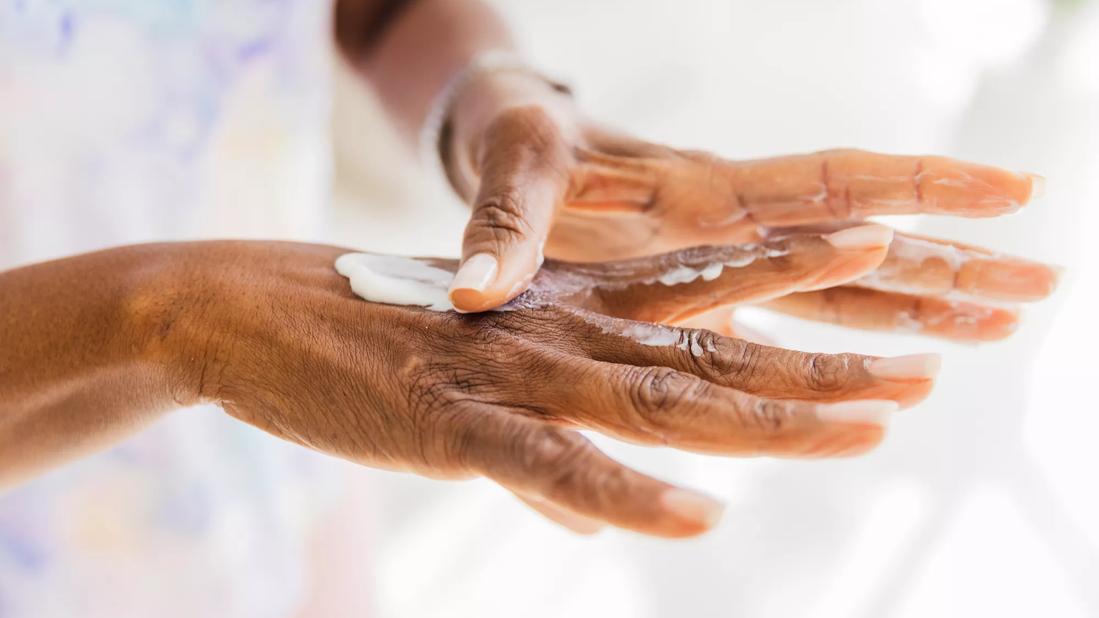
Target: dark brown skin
(97, 346)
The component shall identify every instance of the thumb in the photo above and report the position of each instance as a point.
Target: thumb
(524, 178)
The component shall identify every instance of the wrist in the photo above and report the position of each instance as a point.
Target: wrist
(171, 314)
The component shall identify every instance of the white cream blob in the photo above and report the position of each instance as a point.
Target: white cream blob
(711, 271)
(396, 280)
(656, 335)
(686, 274)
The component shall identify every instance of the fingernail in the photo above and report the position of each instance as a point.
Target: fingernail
(476, 274)
(864, 412)
(1011, 281)
(861, 237)
(1037, 185)
(692, 506)
(912, 367)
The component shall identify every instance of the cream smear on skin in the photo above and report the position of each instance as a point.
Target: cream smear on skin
(396, 280)
(711, 271)
(655, 335)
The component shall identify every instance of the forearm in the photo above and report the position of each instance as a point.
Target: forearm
(419, 48)
(79, 364)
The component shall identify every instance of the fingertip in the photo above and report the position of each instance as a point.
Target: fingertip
(470, 301)
(1037, 185)
(474, 277)
(914, 367)
(694, 512)
(977, 324)
(950, 186)
(585, 526)
(858, 251)
(999, 324)
(863, 412)
(579, 524)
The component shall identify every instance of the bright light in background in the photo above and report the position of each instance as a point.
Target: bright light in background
(1079, 68)
(966, 37)
(989, 32)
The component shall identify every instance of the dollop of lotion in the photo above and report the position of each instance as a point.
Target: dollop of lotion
(396, 280)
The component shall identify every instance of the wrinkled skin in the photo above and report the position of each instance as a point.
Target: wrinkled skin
(535, 172)
(273, 334)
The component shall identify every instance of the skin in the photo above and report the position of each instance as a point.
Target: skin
(536, 175)
(543, 178)
(98, 346)
(273, 335)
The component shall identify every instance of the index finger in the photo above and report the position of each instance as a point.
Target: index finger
(841, 185)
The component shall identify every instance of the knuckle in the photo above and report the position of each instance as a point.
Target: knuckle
(658, 391)
(534, 125)
(826, 372)
(709, 351)
(769, 417)
(562, 460)
(502, 216)
(740, 360)
(593, 485)
(456, 440)
(548, 448)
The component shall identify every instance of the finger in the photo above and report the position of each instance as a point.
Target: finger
(523, 178)
(841, 185)
(659, 405)
(676, 286)
(930, 267)
(562, 516)
(535, 459)
(888, 311)
(766, 371)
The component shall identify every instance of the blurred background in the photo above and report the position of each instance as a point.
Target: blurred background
(981, 501)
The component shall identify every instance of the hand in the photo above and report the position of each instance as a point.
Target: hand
(274, 335)
(537, 174)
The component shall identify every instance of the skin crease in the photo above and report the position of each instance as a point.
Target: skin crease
(98, 346)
